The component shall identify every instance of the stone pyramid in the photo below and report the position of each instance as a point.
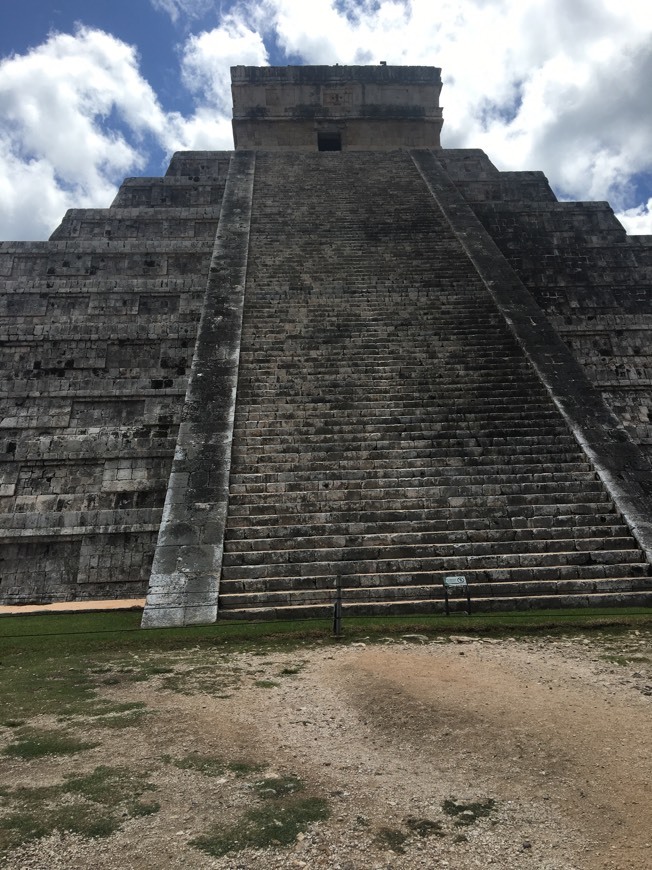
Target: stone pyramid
(337, 356)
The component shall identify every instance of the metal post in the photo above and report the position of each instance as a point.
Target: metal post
(337, 609)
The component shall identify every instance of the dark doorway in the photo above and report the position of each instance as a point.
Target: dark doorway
(329, 141)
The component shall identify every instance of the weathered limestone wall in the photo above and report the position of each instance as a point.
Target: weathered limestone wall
(98, 330)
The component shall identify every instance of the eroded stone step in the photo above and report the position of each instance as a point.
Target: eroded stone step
(531, 512)
(461, 563)
(356, 430)
(455, 475)
(436, 578)
(434, 446)
(397, 592)
(341, 550)
(456, 463)
(280, 425)
(523, 602)
(286, 538)
(353, 482)
(415, 496)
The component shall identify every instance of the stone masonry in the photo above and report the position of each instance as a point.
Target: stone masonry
(310, 363)
(337, 108)
(99, 327)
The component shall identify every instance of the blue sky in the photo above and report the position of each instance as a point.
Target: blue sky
(92, 91)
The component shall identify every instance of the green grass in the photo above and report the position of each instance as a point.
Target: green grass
(273, 825)
(391, 838)
(21, 827)
(130, 720)
(35, 744)
(109, 785)
(211, 765)
(244, 768)
(91, 805)
(468, 813)
(424, 827)
(121, 630)
(56, 663)
(291, 670)
(205, 764)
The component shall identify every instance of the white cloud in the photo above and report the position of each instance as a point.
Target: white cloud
(32, 198)
(637, 221)
(177, 9)
(58, 148)
(208, 57)
(206, 61)
(76, 116)
(206, 130)
(538, 84)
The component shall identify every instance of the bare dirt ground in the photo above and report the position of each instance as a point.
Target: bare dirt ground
(428, 752)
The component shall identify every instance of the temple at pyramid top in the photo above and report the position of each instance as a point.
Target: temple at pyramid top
(336, 108)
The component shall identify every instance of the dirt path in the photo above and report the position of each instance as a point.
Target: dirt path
(455, 755)
(73, 607)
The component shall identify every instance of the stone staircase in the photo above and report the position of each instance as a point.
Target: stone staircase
(584, 271)
(389, 430)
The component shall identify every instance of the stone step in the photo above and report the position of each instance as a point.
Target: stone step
(279, 360)
(382, 349)
(314, 448)
(435, 578)
(415, 496)
(513, 396)
(450, 563)
(382, 459)
(460, 475)
(522, 602)
(355, 481)
(306, 417)
(341, 550)
(346, 509)
(473, 462)
(589, 525)
(368, 343)
(351, 420)
(532, 512)
(432, 593)
(283, 539)
(357, 430)
(383, 380)
(345, 387)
